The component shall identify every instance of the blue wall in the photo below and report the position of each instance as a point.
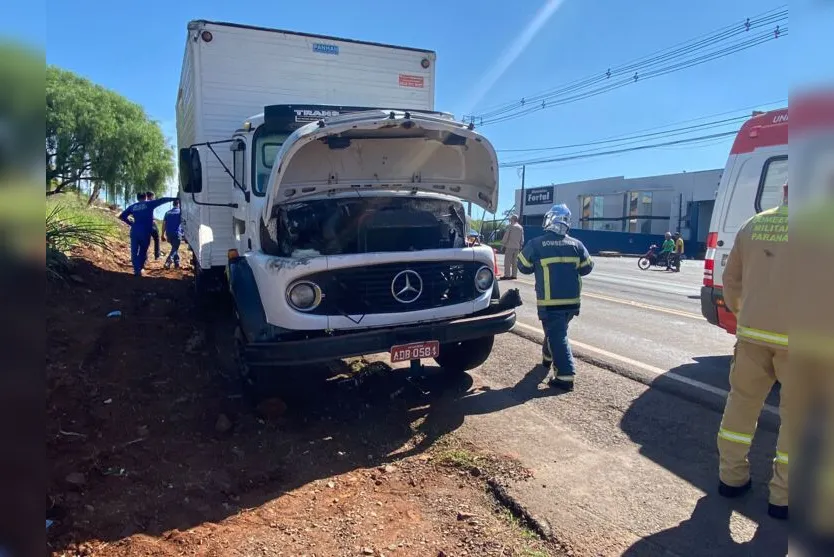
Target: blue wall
(605, 240)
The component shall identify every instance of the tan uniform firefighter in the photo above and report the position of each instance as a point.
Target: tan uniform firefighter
(512, 241)
(812, 362)
(755, 281)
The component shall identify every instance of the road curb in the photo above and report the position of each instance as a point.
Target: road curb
(704, 398)
(539, 525)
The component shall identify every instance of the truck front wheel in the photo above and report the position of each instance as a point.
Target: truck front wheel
(256, 385)
(459, 357)
(261, 384)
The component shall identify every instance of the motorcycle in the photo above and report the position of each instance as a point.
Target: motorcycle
(651, 257)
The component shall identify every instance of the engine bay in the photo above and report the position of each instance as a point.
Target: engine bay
(364, 224)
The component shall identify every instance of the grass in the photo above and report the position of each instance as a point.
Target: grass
(448, 451)
(457, 457)
(518, 524)
(69, 224)
(524, 531)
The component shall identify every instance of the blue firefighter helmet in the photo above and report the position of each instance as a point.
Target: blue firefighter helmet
(557, 219)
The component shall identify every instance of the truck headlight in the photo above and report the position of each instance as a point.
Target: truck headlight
(304, 296)
(483, 279)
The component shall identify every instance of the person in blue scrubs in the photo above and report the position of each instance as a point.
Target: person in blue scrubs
(141, 225)
(172, 231)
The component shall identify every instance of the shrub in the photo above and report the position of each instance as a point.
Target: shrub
(69, 226)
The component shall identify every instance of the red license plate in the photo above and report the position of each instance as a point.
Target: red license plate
(415, 351)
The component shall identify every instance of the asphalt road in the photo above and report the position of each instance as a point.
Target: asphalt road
(619, 468)
(652, 317)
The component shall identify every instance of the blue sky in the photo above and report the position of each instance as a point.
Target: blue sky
(136, 48)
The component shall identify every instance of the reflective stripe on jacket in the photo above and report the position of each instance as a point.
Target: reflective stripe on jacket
(757, 278)
(559, 263)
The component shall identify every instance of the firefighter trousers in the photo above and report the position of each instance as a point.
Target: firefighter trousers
(556, 347)
(755, 368)
(814, 421)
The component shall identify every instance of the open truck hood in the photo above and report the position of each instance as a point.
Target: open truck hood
(382, 150)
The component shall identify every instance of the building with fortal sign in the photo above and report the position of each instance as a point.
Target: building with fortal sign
(650, 206)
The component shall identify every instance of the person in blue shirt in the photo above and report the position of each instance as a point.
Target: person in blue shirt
(141, 224)
(559, 263)
(154, 230)
(172, 231)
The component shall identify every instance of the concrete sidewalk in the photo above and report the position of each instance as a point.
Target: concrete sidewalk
(620, 469)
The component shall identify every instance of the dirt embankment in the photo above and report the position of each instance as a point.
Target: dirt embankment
(153, 451)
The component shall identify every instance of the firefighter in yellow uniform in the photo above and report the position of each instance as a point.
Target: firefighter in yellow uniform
(755, 281)
(812, 362)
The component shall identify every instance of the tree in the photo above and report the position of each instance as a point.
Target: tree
(96, 135)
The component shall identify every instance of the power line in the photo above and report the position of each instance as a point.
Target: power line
(667, 133)
(761, 39)
(748, 23)
(700, 50)
(635, 134)
(586, 155)
(630, 70)
(649, 60)
(625, 143)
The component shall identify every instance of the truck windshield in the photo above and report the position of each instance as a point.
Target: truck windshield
(266, 147)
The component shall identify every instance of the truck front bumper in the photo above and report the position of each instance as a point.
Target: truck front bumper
(324, 348)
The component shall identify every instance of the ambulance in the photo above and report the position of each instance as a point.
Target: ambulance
(752, 182)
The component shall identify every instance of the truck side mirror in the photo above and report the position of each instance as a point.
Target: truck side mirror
(191, 170)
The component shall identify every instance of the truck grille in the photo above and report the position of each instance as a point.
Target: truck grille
(376, 288)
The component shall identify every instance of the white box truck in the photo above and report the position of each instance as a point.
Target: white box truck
(321, 188)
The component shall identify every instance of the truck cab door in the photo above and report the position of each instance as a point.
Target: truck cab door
(241, 196)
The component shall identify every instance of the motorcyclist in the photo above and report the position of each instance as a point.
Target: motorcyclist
(677, 254)
(558, 262)
(666, 251)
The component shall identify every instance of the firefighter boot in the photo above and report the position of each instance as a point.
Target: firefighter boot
(562, 383)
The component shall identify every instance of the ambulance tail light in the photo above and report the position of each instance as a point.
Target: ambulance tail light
(709, 259)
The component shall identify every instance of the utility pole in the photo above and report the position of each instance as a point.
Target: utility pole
(521, 204)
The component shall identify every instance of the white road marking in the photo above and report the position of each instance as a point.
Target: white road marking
(644, 306)
(646, 367)
(632, 303)
(650, 284)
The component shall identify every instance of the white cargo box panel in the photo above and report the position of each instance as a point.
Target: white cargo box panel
(231, 72)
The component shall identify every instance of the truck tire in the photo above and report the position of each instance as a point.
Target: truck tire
(261, 384)
(201, 287)
(460, 357)
(255, 385)
(208, 288)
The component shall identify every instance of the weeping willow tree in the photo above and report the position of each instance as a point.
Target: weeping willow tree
(97, 137)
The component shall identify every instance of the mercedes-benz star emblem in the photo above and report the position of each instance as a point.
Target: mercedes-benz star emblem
(406, 286)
